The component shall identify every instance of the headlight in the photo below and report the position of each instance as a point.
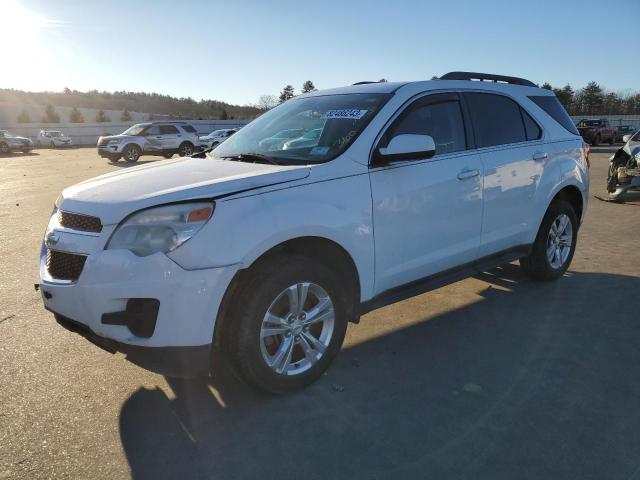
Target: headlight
(114, 141)
(160, 229)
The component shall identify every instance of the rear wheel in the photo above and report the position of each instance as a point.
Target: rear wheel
(290, 326)
(185, 149)
(4, 148)
(596, 141)
(131, 153)
(555, 243)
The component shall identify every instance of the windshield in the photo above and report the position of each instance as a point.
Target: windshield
(54, 134)
(337, 119)
(135, 130)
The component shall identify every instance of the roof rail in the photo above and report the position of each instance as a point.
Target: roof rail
(487, 77)
(364, 83)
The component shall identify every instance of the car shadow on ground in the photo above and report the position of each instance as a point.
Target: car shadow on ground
(531, 381)
(19, 154)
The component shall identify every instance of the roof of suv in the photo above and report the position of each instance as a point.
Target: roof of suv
(490, 82)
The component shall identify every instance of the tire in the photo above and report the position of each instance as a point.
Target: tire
(131, 153)
(538, 265)
(262, 290)
(185, 149)
(52, 145)
(596, 141)
(168, 155)
(4, 148)
(114, 158)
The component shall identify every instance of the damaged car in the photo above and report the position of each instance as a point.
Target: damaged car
(624, 169)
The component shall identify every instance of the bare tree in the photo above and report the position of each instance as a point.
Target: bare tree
(267, 102)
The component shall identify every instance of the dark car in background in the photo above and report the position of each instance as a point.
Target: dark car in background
(597, 131)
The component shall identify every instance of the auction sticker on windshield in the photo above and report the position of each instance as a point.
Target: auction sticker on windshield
(347, 113)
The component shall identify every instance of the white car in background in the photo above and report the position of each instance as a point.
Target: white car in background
(216, 137)
(53, 139)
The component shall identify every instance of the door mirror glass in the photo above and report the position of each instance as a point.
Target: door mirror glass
(407, 147)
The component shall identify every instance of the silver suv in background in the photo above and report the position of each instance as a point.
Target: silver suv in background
(14, 143)
(151, 138)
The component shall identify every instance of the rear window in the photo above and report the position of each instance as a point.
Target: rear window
(497, 119)
(552, 106)
(168, 130)
(188, 128)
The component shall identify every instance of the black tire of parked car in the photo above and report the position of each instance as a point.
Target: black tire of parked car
(595, 141)
(258, 288)
(4, 148)
(168, 155)
(536, 265)
(114, 158)
(185, 149)
(131, 153)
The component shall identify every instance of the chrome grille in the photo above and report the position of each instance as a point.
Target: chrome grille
(65, 266)
(75, 221)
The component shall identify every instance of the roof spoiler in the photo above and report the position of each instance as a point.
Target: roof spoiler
(487, 77)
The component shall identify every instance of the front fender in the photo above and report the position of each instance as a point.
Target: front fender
(243, 229)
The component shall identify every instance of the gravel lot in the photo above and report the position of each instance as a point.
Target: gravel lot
(492, 377)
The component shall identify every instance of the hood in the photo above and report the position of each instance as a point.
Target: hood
(20, 139)
(111, 137)
(115, 195)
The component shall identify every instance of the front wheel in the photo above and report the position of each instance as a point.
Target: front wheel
(4, 148)
(185, 149)
(288, 324)
(555, 243)
(131, 153)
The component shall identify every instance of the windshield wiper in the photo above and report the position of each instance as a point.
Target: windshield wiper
(255, 157)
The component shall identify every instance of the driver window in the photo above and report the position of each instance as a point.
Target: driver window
(442, 120)
(153, 130)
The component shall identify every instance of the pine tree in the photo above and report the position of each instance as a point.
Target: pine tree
(286, 94)
(308, 86)
(76, 116)
(50, 115)
(24, 117)
(126, 116)
(592, 99)
(102, 117)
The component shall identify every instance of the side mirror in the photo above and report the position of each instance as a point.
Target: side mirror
(626, 138)
(405, 147)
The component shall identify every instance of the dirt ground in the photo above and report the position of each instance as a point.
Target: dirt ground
(492, 377)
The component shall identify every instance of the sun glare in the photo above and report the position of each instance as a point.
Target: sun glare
(24, 46)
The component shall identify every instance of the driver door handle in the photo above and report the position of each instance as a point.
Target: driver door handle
(540, 156)
(466, 173)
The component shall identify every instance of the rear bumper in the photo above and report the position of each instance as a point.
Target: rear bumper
(187, 362)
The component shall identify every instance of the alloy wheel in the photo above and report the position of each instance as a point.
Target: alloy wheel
(559, 241)
(297, 328)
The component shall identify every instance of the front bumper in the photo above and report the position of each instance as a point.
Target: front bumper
(110, 150)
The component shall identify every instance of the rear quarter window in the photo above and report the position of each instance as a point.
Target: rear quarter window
(555, 110)
(188, 128)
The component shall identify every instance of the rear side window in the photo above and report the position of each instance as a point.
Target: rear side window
(497, 119)
(168, 130)
(531, 127)
(188, 128)
(440, 119)
(552, 106)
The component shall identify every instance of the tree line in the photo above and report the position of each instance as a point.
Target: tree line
(150, 103)
(595, 100)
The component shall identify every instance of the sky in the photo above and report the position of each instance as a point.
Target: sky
(237, 50)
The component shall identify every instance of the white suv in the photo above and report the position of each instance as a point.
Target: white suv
(267, 255)
(152, 138)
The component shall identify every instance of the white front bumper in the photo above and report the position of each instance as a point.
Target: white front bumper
(189, 300)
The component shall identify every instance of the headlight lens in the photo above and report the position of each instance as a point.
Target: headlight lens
(113, 142)
(161, 229)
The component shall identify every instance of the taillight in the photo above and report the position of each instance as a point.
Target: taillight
(586, 149)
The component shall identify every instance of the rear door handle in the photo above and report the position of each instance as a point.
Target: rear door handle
(539, 156)
(464, 174)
